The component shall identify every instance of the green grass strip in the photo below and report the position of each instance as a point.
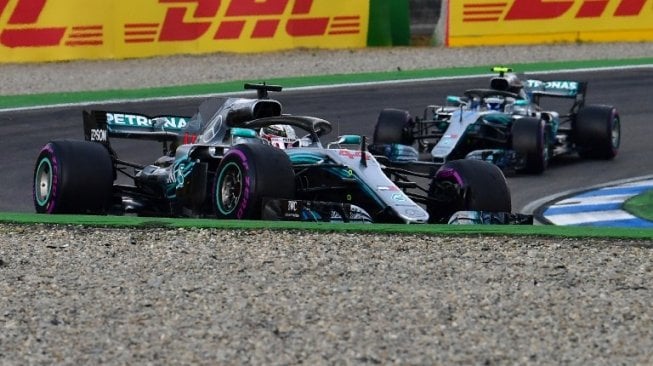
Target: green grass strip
(16, 101)
(640, 205)
(151, 222)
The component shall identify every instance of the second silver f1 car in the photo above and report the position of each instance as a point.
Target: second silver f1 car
(504, 124)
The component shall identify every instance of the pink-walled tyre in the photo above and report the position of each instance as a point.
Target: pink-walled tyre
(247, 174)
(467, 185)
(73, 176)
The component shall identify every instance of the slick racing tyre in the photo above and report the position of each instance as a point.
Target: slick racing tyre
(73, 176)
(529, 141)
(394, 126)
(247, 174)
(598, 132)
(467, 185)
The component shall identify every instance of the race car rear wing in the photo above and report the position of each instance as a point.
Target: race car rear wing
(99, 126)
(556, 89)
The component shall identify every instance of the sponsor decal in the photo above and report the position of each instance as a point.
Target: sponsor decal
(180, 170)
(24, 27)
(240, 15)
(245, 198)
(388, 188)
(98, 134)
(480, 11)
(354, 154)
(563, 85)
(414, 213)
(210, 132)
(292, 206)
(180, 174)
(137, 120)
(292, 210)
(122, 28)
(176, 174)
(476, 22)
(399, 197)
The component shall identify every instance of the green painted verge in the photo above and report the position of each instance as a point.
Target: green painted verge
(440, 230)
(640, 205)
(17, 101)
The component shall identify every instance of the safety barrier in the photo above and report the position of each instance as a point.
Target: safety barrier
(492, 22)
(50, 30)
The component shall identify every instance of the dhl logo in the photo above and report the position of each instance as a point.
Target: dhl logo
(184, 20)
(476, 11)
(238, 13)
(22, 28)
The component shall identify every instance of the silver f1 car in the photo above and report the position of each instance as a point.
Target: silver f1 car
(239, 158)
(504, 124)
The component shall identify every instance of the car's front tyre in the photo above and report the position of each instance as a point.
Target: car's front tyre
(467, 185)
(529, 141)
(247, 174)
(394, 126)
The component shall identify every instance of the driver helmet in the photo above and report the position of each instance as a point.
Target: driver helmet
(493, 104)
(281, 136)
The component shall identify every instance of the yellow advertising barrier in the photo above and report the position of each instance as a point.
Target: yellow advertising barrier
(50, 30)
(498, 22)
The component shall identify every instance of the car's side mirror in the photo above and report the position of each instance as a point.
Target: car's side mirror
(350, 140)
(456, 101)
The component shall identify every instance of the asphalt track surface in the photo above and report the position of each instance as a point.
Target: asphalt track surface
(354, 109)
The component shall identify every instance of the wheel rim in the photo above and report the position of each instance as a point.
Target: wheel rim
(43, 182)
(615, 133)
(230, 187)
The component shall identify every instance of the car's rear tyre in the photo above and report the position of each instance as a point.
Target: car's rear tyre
(598, 132)
(529, 141)
(394, 126)
(72, 176)
(470, 185)
(247, 174)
